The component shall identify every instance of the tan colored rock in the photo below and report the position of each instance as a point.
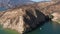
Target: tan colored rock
(56, 16)
(22, 19)
(27, 17)
(13, 20)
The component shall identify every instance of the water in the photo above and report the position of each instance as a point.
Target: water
(47, 28)
(7, 31)
(2, 8)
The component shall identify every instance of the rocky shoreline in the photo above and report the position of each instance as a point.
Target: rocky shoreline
(56, 17)
(22, 20)
(27, 17)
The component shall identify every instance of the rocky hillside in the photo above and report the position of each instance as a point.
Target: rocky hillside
(13, 3)
(22, 19)
(27, 17)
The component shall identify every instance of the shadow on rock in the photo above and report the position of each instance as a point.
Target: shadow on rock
(34, 20)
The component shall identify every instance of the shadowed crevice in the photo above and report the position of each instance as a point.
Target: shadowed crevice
(34, 22)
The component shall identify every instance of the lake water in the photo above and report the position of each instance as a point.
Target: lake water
(47, 28)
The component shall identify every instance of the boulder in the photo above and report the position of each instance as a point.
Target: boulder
(56, 17)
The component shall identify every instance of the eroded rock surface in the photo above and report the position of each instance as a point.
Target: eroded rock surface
(27, 17)
(22, 19)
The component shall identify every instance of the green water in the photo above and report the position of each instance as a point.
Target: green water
(7, 31)
(47, 28)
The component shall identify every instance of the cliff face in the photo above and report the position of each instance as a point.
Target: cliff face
(22, 19)
(27, 17)
(53, 9)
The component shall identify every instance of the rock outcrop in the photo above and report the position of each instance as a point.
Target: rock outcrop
(56, 17)
(54, 10)
(27, 17)
(22, 19)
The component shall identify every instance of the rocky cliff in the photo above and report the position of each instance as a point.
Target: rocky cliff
(22, 19)
(27, 17)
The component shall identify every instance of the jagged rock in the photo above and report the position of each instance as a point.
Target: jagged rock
(22, 19)
(27, 17)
